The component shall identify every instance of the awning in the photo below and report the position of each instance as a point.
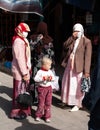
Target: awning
(84, 4)
(22, 6)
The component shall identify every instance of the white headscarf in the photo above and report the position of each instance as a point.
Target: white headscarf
(79, 27)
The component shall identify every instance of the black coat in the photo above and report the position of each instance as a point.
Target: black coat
(92, 99)
(93, 96)
(95, 92)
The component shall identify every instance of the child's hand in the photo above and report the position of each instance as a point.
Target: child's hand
(49, 78)
(45, 78)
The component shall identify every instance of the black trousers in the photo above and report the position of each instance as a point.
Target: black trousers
(94, 122)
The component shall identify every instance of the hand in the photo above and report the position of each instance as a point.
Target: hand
(26, 77)
(87, 75)
(49, 78)
(45, 78)
(40, 36)
(75, 34)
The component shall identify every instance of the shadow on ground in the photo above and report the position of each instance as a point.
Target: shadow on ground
(5, 99)
(26, 125)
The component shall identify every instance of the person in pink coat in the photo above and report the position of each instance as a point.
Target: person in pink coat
(21, 67)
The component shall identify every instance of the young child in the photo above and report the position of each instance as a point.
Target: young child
(44, 78)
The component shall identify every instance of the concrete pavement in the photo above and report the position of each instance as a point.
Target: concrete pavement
(62, 119)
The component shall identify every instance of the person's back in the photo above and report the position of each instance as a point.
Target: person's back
(94, 121)
(42, 45)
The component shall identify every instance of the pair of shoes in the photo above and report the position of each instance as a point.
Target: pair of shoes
(20, 117)
(48, 120)
(75, 108)
(23, 116)
(37, 119)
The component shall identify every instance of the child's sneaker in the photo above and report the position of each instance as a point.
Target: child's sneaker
(48, 120)
(37, 119)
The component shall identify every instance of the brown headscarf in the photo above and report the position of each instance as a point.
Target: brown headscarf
(42, 29)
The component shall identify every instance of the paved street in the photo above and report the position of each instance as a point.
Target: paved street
(62, 119)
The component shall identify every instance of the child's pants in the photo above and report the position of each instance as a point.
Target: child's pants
(44, 102)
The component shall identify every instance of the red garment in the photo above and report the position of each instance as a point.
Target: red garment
(17, 110)
(44, 102)
(22, 27)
